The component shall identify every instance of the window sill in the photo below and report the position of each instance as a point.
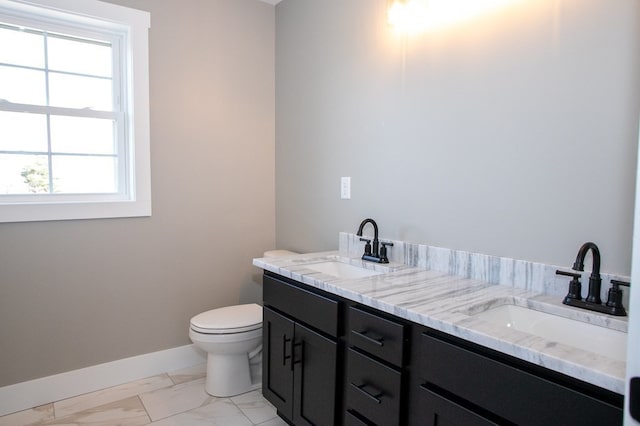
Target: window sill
(74, 210)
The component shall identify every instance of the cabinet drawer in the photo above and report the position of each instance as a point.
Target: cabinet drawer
(305, 306)
(436, 410)
(351, 419)
(373, 389)
(376, 335)
(508, 392)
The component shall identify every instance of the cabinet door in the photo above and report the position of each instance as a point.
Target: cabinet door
(315, 375)
(277, 362)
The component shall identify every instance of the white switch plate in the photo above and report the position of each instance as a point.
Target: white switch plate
(345, 188)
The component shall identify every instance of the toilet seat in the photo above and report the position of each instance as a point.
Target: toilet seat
(228, 320)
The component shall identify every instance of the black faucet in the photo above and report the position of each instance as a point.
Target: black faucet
(593, 301)
(595, 282)
(372, 252)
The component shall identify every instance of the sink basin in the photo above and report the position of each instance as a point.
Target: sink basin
(588, 337)
(342, 270)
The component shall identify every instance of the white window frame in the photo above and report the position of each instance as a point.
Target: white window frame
(131, 26)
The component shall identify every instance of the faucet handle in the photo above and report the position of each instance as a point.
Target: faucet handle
(614, 299)
(383, 251)
(574, 275)
(616, 283)
(575, 287)
(367, 246)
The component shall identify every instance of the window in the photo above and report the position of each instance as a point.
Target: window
(74, 120)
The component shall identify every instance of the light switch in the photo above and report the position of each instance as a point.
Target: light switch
(345, 188)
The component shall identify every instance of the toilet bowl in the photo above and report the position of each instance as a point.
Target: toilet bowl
(232, 338)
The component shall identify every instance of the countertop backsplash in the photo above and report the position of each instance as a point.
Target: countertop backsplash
(522, 274)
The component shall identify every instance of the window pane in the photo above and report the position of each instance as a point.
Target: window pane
(23, 132)
(79, 57)
(23, 174)
(80, 92)
(21, 48)
(84, 175)
(82, 135)
(22, 86)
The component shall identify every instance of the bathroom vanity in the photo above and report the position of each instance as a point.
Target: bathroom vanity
(328, 360)
(401, 347)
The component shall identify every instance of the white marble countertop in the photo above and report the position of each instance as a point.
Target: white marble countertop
(447, 303)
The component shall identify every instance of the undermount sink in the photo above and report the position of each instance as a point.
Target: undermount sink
(342, 270)
(588, 337)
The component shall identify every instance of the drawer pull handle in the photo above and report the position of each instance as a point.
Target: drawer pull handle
(374, 397)
(379, 341)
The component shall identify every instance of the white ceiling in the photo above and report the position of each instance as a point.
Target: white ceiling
(273, 2)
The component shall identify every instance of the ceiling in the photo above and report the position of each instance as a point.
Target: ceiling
(273, 2)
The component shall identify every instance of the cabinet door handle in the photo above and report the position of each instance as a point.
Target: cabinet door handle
(285, 357)
(363, 334)
(374, 397)
(294, 361)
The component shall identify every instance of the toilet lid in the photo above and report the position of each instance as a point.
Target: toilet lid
(230, 319)
(278, 253)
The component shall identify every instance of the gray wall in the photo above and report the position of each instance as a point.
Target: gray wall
(512, 134)
(79, 293)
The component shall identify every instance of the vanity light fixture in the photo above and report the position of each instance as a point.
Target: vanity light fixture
(415, 16)
(407, 16)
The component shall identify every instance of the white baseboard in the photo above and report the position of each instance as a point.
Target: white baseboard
(33, 393)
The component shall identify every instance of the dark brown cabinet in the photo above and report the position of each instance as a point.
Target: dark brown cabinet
(374, 390)
(374, 368)
(381, 337)
(330, 361)
(314, 384)
(436, 410)
(299, 362)
(457, 379)
(277, 364)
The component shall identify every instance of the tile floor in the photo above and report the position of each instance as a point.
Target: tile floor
(173, 399)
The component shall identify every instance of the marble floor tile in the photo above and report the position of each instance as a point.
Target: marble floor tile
(274, 422)
(188, 374)
(126, 412)
(155, 399)
(255, 407)
(83, 402)
(176, 399)
(34, 416)
(221, 412)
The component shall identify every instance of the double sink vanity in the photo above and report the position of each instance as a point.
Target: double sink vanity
(434, 337)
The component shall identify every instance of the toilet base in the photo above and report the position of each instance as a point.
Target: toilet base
(229, 375)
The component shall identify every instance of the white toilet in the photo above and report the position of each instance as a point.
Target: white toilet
(232, 338)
